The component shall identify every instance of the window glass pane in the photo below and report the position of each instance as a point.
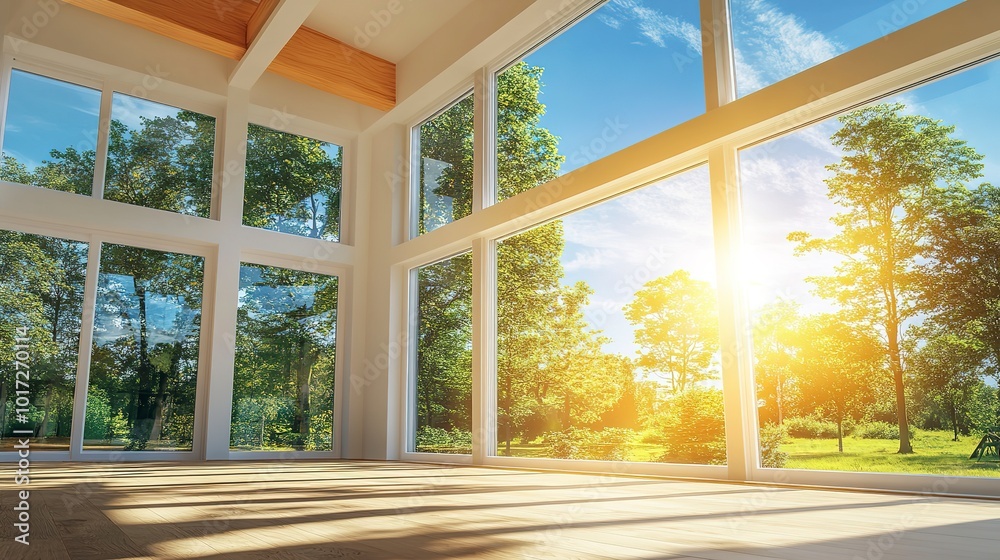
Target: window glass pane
(293, 184)
(144, 369)
(630, 69)
(607, 332)
(286, 338)
(871, 256)
(443, 405)
(445, 189)
(774, 39)
(50, 133)
(160, 156)
(41, 305)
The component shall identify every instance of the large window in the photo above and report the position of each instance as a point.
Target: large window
(774, 39)
(444, 179)
(285, 354)
(144, 367)
(608, 332)
(160, 156)
(41, 303)
(50, 133)
(443, 406)
(628, 70)
(293, 184)
(872, 262)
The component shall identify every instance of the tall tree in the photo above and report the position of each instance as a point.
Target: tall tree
(678, 328)
(894, 171)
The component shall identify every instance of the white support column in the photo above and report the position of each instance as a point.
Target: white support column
(483, 154)
(483, 350)
(86, 344)
(223, 280)
(734, 332)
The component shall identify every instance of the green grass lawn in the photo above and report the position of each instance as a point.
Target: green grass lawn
(935, 453)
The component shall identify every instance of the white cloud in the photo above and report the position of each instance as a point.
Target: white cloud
(772, 45)
(653, 24)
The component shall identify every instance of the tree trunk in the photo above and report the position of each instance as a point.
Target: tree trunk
(954, 418)
(781, 416)
(896, 365)
(43, 428)
(143, 423)
(3, 408)
(161, 392)
(840, 433)
(303, 374)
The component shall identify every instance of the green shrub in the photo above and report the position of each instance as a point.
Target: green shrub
(810, 427)
(693, 427)
(879, 430)
(610, 444)
(431, 439)
(771, 438)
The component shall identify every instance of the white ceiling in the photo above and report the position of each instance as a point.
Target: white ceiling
(370, 26)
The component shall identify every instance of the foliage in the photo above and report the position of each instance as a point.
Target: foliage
(692, 425)
(437, 440)
(678, 328)
(609, 444)
(878, 430)
(293, 184)
(772, 437)
(810, 427)
(895, 169)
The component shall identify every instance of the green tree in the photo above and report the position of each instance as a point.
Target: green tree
(293, 184)
(774, 351)
(948, 367)
(895, 169)
(835, 365)
(678, 328)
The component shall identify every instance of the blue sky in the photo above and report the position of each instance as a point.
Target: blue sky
(621, 63)
(45, 114)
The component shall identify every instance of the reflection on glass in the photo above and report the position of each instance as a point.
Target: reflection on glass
(144, 368)
(50, 133)
(285, 353)
(160, 156)
(444, 357)
(869, 238)
(445, 146)
(41, 303)
(775, 39)
(628, 70)
(607, 332)
(293, 184)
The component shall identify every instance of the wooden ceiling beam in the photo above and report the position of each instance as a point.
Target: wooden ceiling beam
(268, 31)
(229, 27)
(259, 17)
(218, 27)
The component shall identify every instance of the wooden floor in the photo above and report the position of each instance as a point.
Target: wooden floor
(364, 510)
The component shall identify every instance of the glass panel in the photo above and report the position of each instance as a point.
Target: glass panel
(774, 39)
(41, 305)
(160, 156)
(286, 339)
(443, 405)
(871, 256)
(445, 147)
(144, 369)
(608, 331)
(625, 72)
(293, 184)
(50, 133)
